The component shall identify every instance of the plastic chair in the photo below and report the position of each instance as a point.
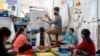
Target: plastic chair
(57, 43)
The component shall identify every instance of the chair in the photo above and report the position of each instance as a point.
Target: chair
(57, 43)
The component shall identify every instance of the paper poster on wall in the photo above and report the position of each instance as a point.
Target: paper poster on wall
(93, 30)
(12, 9)
(1, 4)
(72, 6)
(65, 1)
(11, 1)
(62, 2)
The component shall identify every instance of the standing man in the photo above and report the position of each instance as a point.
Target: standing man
(57, 22)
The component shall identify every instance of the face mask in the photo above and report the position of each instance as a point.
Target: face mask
(83, 37)
(55, 14)
(69, 33)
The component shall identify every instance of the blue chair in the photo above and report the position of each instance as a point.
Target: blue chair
(18, 26)
(34, 31)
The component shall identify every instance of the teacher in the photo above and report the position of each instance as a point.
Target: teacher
(57, 22)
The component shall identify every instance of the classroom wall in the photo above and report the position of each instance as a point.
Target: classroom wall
(24, 6)
(6, 22)
(88, 9)
(99, 9)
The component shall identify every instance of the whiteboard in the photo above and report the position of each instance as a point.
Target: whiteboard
(34, 23)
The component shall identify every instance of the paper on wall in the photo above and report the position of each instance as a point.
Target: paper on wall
(1, 4)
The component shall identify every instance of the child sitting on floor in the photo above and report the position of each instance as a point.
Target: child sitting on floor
(86, 47)
(42, 41)
(70, 38)
(20, 42)
(5, 35)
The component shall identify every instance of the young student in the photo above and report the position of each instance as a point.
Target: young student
(86, 46)
(4, 35)
(70, 38)
(42, 41)
(20, 43)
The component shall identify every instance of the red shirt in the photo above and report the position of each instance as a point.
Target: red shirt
(87, 47)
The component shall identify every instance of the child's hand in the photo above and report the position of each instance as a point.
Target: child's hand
(43, 20)
(41, 47)
(45, 47)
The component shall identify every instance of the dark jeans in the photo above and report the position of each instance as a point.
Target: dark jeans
(82, 53)
(24, 48)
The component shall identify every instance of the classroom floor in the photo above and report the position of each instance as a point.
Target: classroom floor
(55, 52)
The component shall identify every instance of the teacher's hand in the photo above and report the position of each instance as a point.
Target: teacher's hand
(43, 20)
(47, 16)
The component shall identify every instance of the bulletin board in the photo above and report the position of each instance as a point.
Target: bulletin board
(35, 19)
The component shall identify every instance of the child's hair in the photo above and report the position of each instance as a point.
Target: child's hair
(4, 31)
(86, 34)
(20, 30)
(72, 29)
(42, 36)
